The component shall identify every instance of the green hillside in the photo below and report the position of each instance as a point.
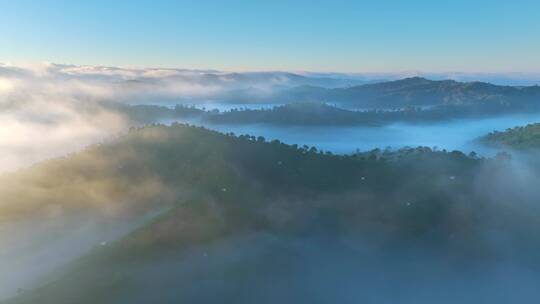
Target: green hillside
(522, 138)
(244, 213)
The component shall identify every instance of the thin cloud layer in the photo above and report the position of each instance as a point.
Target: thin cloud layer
(48, 110)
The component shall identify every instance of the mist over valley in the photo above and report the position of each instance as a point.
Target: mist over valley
(144, 185)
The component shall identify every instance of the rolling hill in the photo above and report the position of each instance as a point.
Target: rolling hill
(520, 138)
(415, 91)
(249, 220)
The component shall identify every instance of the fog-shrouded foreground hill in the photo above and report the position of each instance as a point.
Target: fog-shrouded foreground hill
(520, 138)
(237, 219)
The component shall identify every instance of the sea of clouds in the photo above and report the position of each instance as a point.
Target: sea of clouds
(48, 110)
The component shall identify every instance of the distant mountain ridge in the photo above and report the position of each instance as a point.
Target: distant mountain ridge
(285, 87)
(415, 91)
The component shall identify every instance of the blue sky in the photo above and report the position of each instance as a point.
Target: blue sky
(341, 36)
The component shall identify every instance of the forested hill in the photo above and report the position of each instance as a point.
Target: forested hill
(245, 213)
(411, 99)
(521, 138)
(316, 114)
(302, 114)
(416, 91)
(158, 158)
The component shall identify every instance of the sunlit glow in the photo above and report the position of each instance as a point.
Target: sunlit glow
(6, 85)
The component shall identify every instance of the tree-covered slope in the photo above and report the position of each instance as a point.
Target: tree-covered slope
(417, 91)
(250, 220)
(320, 114)
(521, 138)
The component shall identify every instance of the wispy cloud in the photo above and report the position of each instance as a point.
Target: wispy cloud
(48, 110)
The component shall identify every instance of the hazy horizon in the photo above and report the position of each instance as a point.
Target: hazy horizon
(495, 77)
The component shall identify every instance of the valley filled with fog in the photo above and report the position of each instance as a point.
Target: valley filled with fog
(106, 189)
(453, 135)
(269, 152)
(51, 110)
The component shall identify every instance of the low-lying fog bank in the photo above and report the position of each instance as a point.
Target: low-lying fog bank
(452, 135)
